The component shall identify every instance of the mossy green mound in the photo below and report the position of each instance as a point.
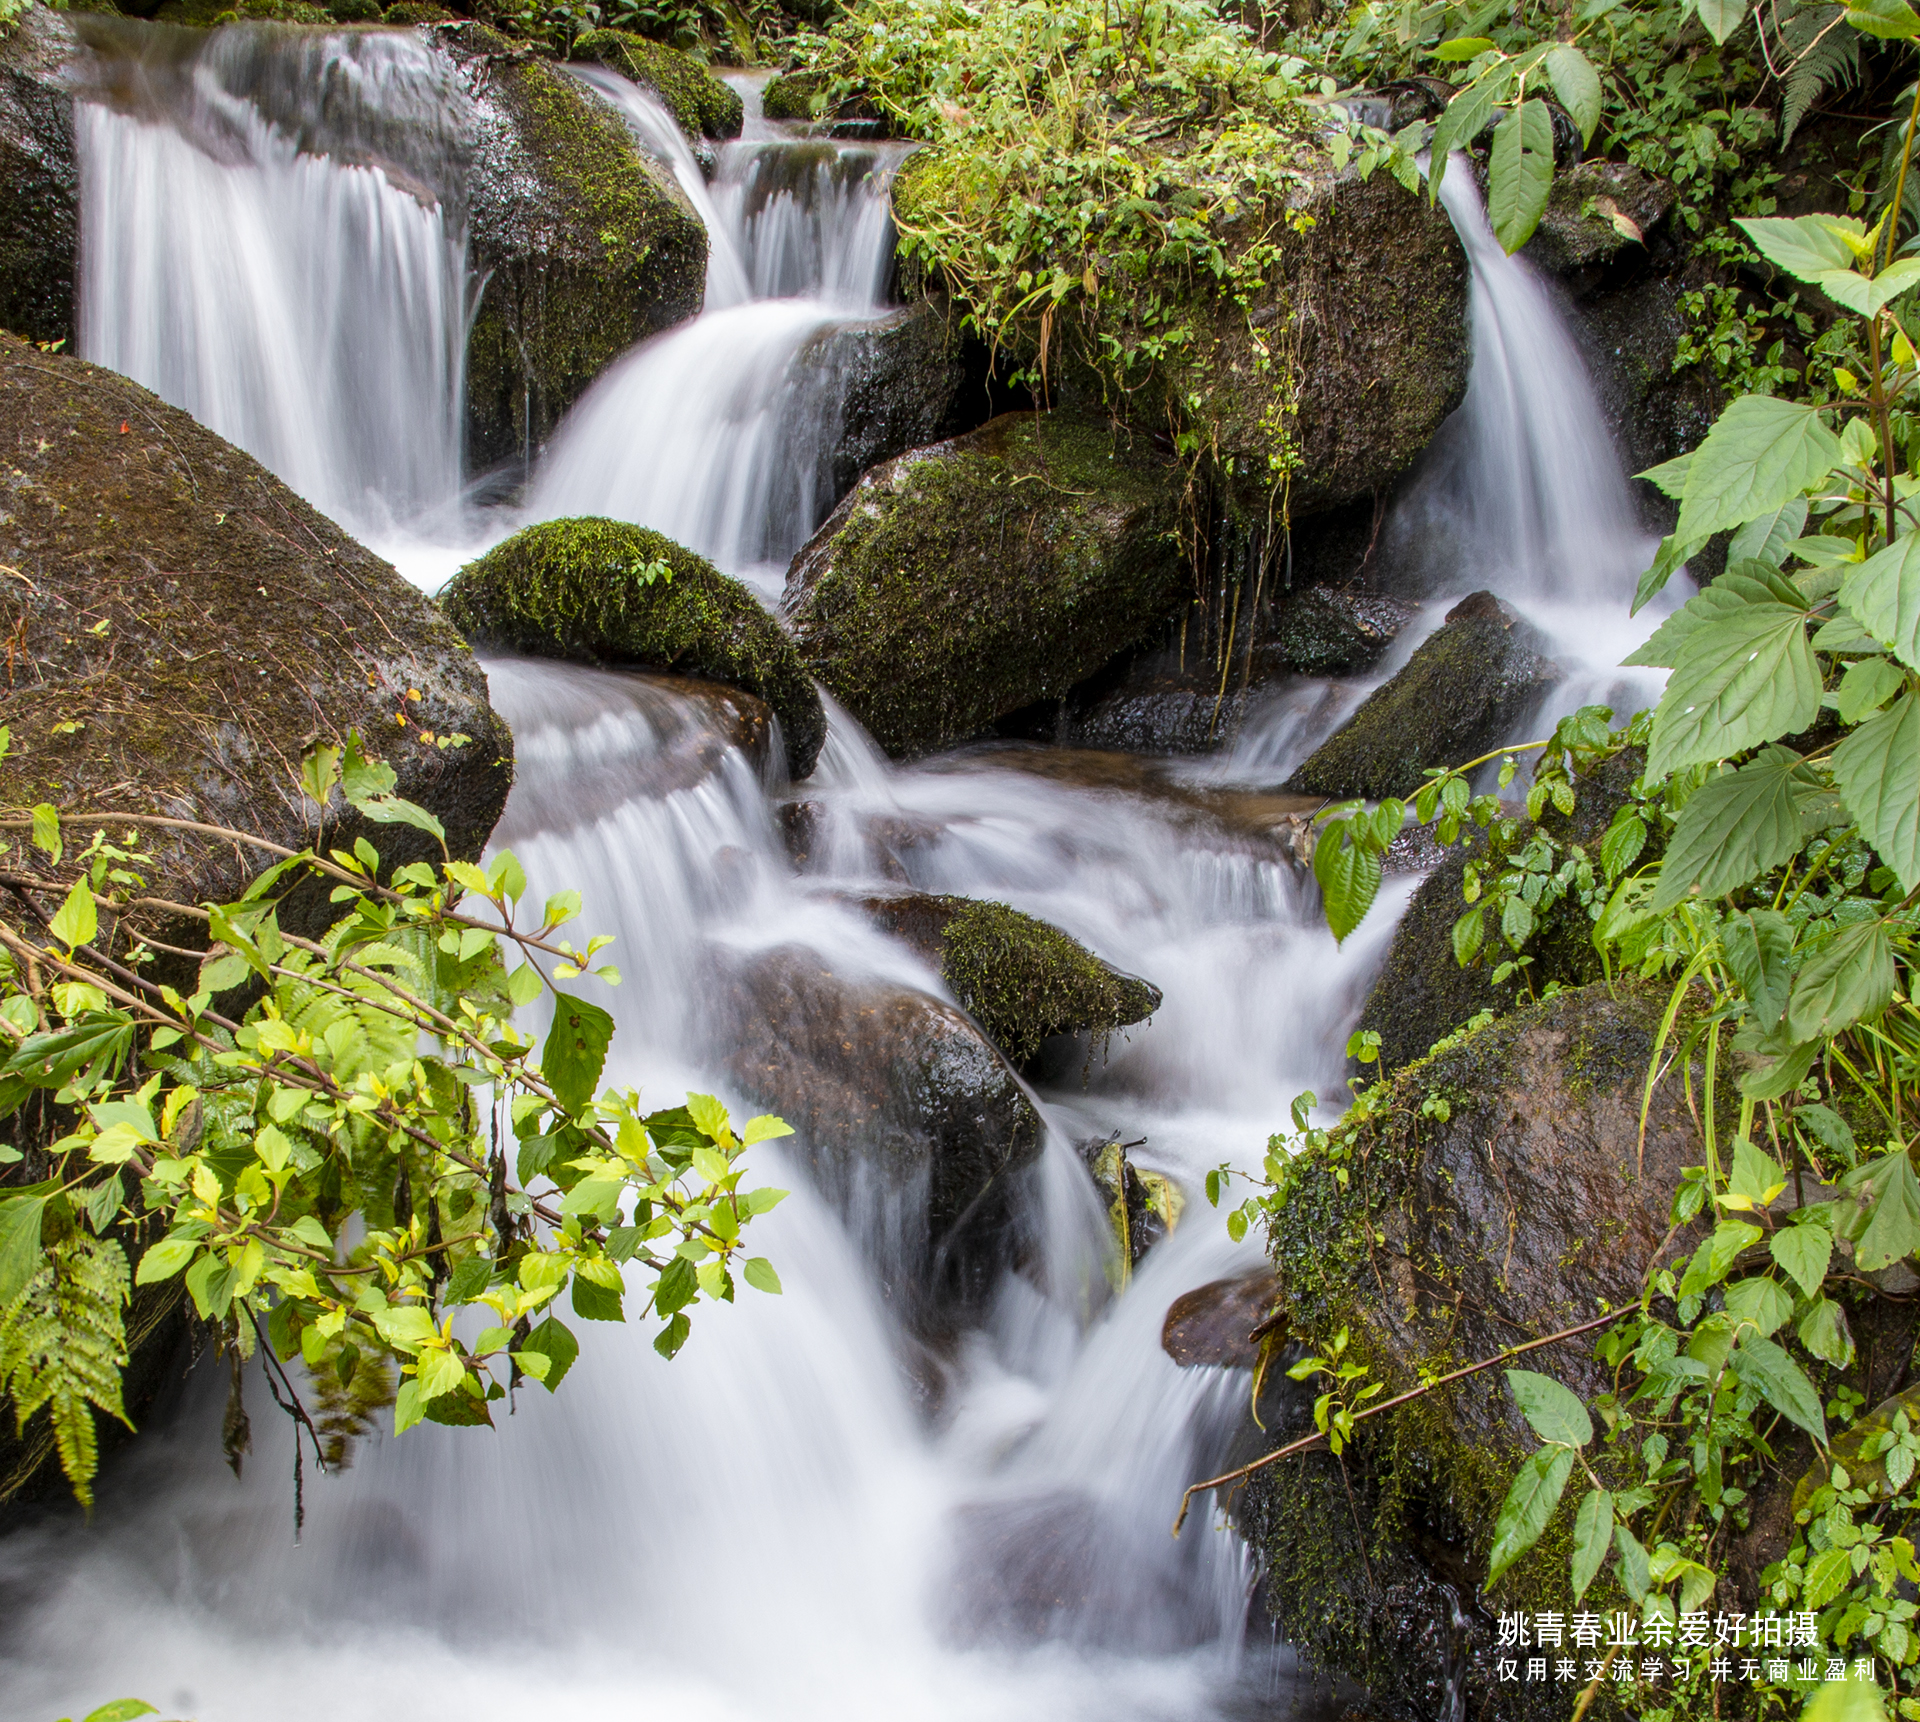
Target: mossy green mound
(961, 582)
(1468, 684)
(586, 244)
(1021, 978)
(698, 101)
(790, 96)
(603, 592)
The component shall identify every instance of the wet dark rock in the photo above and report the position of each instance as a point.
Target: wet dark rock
(701, 105)
(1422, 994)
(590, 591)
(963, 581)
(1019, 977)
(1222, 1324)
(1595, 210)
(908, 1118)
(39, 178)
(1507, 1219)
(1466, 687)
(181, 623)
(1143, 1206)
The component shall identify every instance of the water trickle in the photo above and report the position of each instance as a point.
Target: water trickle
(309, 309)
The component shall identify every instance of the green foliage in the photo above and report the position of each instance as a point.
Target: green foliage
(365, 1084)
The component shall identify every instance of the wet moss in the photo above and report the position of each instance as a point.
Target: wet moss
(791, 96)
(600, 591)
(698, 101)
(416, 12)
(962, 582)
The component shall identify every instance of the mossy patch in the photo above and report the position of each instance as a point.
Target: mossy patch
(964, 581)
(791, 96)
(592, 591)
(698, 101)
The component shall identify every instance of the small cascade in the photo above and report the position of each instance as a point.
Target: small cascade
(312, 311)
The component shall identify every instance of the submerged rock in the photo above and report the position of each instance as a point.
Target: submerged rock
(1460, 693)
(1019, 977)
(39, 178)
(963, 581)
(909, 1120)
(701, 105)
(602, 592)
(180, 623)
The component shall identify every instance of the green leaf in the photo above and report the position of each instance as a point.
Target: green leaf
(554, 1341)
(1743, 585)
(524, 984)
(392, 810)
(1803, 1252)
(1577, 85)
(1878, 770)
(1760, 454)
(1757, 947)
(1733, 828)
(78, 920)
(1890, 20)
(363, 779)
(676, 1287)
(1592, 1536)
(761, 1277)
(468, 1280)
(1826, 1127)
(20, 1254)
(1867, 297)
(765, 1128)
(1349, 878)
(46, 832)
(1554, 1411)
(576, 1050)
(1462, 48)
(1469, 934)
(1536, 1491)
(122, 1710)
(595, 1302)
(1892, 1231)
(1635, 1573)
(1849, 980)
(1761, 1302)
(1716, 1255)
(1745, 677)
(1670, 476)
(1828, 1574)
(409, 1405)
(1765, 537)
(165, 1259)
(1883, 594)
(1520, 174)
(1823, 1331)
(1866, 687)
(1805, 246)
(1787, 1071)
(1756, 1175)
(1625, 837)
(1721, 17)
(1460, 124)
(1782, 1383)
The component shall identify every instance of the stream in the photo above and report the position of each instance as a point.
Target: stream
(811, 1513)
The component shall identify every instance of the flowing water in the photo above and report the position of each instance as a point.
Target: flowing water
(812, 1512)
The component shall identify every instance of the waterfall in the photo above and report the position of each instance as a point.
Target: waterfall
(311, 311)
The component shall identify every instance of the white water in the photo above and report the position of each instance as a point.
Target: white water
(808, 1514)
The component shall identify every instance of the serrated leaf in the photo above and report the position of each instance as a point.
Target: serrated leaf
(1761, 1304)
(1520, 174)
(1883, 594)
(1866, 687)
(1828, 1574)
(1766, 537)
(1805, 246)
(1592, 1537)
(1733, 828)
(1803, 1253)
(1635, 1568)
(1761, 453)
(1535, 1492)
(1716, 1255)
(1868, 297)
(1554, 1411)
(1890, 20)
(1757, 947)
(1848, 980)
(553, 1341)
(1782, 1383)
(1721, 17)
(1877, 769)
(1349, 878)
(1756, 1176)
(1625, 837)
(576, 1050)
(760, 1275)
(1748, 676)
(46, 832)
(20, 1253)
(765, 1128)
(1824, 1332)
(1892, 1231)
(1469, 934)
(1670, 476)
(1743, 585)
(121, 1710)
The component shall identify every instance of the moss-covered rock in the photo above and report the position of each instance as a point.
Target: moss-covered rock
(907, 1118)
(603, 592)
(1340, 370)
(791, 96)
(1423, 994)
(39, 178)
(1020, 978)
(1459, 694)
(587, 244)
(963, 581)
(698, 101)
(1595, 210)
(180, 624)
(1447, 1234)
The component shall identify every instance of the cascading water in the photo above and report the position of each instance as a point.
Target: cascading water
(808, 1513)
(311, 311)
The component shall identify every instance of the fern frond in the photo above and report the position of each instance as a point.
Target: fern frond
(1819, 57)
(63, 1344)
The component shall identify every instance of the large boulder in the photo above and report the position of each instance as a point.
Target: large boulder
(1448, 1235)
(179, 624)
(39, 178)
(1340, 369)
(700, 104)
(603, 592)
(1480, 674)
(1020, 978)
(907, 1117)
(963, 581)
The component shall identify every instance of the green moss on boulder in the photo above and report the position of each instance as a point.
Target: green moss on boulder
(961, 582)
(1461, 691)
(698, 101)
(1021, 978)
(790, 96)
(590, 591)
